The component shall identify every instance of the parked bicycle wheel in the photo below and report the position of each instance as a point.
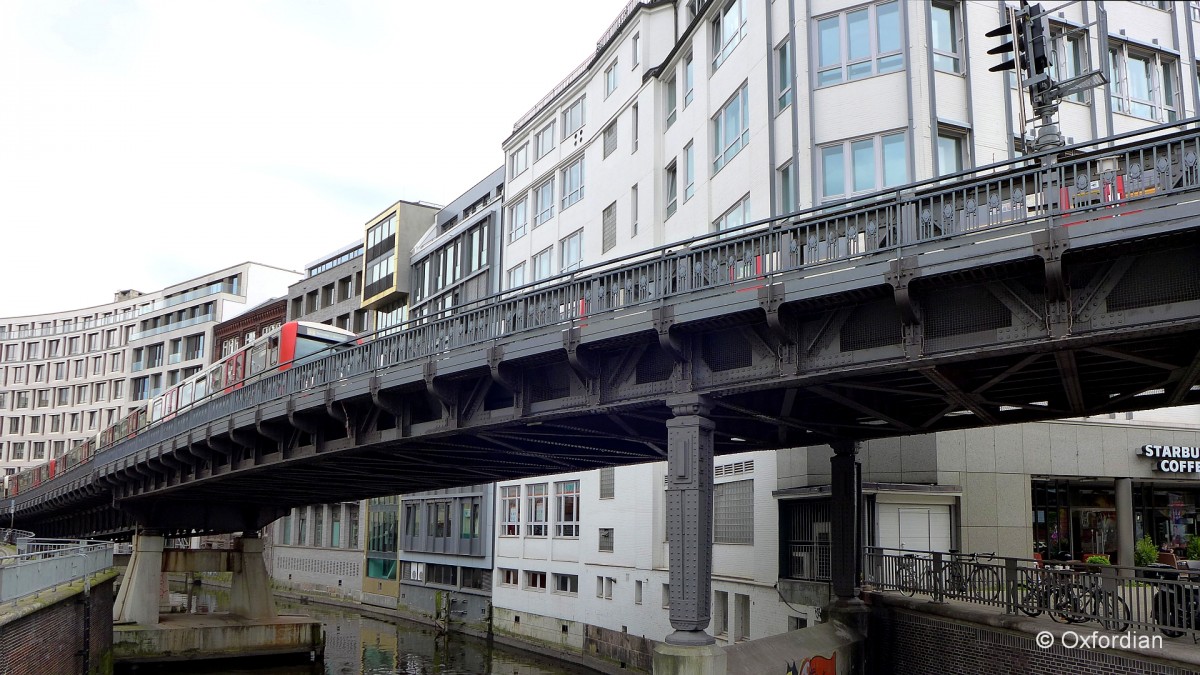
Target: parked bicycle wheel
(1060, 603)
(986, 584)
(1031, 598)
(1116, 614)
(1169, 612)
(908, 581)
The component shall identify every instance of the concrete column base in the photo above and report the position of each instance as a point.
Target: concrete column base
(138, 600)
(680, 660)
(852, 612)
(250, 590)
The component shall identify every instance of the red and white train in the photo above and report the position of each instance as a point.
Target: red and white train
(292, 344)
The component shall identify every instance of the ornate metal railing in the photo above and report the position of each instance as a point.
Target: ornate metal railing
(1117, 598)
(44, 564)
(1094, 181)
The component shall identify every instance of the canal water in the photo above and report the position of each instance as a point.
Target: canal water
(364, 645)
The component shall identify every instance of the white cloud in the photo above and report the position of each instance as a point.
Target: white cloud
(142, 143)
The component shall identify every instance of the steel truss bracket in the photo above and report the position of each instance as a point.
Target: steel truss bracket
(579, 362)
(499, 370)
(445, 394)
(269, 430)
(770, 297)
(1050, 244)
(334, 410)
(298, 421)
(664, 318)
(389, 403)
(1092, 298)
(901, 272)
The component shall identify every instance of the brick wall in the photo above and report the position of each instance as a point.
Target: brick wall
(906, 642)
(50, 639)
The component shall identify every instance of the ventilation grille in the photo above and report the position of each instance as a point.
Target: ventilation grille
(1157, 279)
(726, 350)
(871, 326)
(734, 469)
(956, 311)
(549, 383)
(654, 366)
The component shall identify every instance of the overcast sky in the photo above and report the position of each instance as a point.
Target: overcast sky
(143, 143)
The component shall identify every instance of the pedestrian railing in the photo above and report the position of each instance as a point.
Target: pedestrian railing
(1118, 598)
(44, 564)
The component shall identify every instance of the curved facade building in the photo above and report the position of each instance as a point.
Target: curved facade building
(64, 376)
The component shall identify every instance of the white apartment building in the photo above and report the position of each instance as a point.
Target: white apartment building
(65, 376)
(693, 116)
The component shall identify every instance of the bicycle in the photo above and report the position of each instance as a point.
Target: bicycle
(961, 575)
(1089, 601)
(1047, 590)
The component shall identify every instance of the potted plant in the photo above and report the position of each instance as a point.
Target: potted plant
(1094, 562)
(1193, 548)
(1145, 552)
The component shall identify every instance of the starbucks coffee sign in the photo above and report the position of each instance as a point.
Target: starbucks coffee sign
(1173, 458)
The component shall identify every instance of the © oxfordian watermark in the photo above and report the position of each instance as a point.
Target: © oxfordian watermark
(1097, 640)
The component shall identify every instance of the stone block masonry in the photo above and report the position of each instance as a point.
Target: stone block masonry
(64, 630)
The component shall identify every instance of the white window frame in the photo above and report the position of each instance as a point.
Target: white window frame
(537, 498)
(572, 183)
(543, 211)
(727, 29)
(510, 497)
(566, 493)
(880, 62)
(689, 171)
(947, 61)
(610, 79)
(735, 216)
(958, 136)
(633, 210)
(574, 115)
(543, 257)
(671, 101)
(516, 275)
(1162, 73)
(785, 75)
(543, 142)
(571, 251)
(518, 218)
(635, 49)
(723, 151)
(518, 161)
(689, 80)
(787, 188)
(847, 150)
(671, 188)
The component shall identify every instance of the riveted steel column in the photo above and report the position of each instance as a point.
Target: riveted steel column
(845, 520)
(690, 519)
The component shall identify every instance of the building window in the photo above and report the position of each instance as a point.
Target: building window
(944, 37)
(1143, 84)
(544, 141)
(1068, 61)
(634, 115)
(671, 188)
(518, 218)
(848, 48)
(542, 264)
(510, 508)
(571, 248)
(731, 128)
(689, 171)
(508, 577)
(566, 583)
(787, 188)
(572, 182)
(720, 613)
(689, 81)
(635, 45)
(950, 149)
(566, 509)
(733, 512)
(741, 626)
(633, 211)
(535, 581)
(1195, 10)
(536, 498)
(543, 202)
(871, 163)
(610, 139)
(516, 276)
(607, 482)
(518, 161)
(608, 228)
(728, 29)
(784, 74)
(670, 100)
(610, 79)
(573, 118)
(605, 540)
(666, 596)
(604, 587)
(637, 592)
(736, 216)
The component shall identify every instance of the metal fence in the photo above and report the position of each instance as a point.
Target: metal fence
(1089, 182)
(46, 563)
(1117, 598)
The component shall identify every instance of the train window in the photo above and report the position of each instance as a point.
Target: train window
(258, 359)
(231, 374)
(201, 388)
(157, 411)
(185, 395)
(171, 398)
(239, 367)
(214, 379)
(273, 350)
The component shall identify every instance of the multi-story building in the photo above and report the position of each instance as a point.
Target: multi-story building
(331, 291)
(64, 376)
(231, 334)
(389, 238)
(692, 117)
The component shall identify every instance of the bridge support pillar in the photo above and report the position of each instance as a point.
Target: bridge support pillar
(846, 540)
(1125, 541)
(689, 649)
(138, 600)
(250, 589)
